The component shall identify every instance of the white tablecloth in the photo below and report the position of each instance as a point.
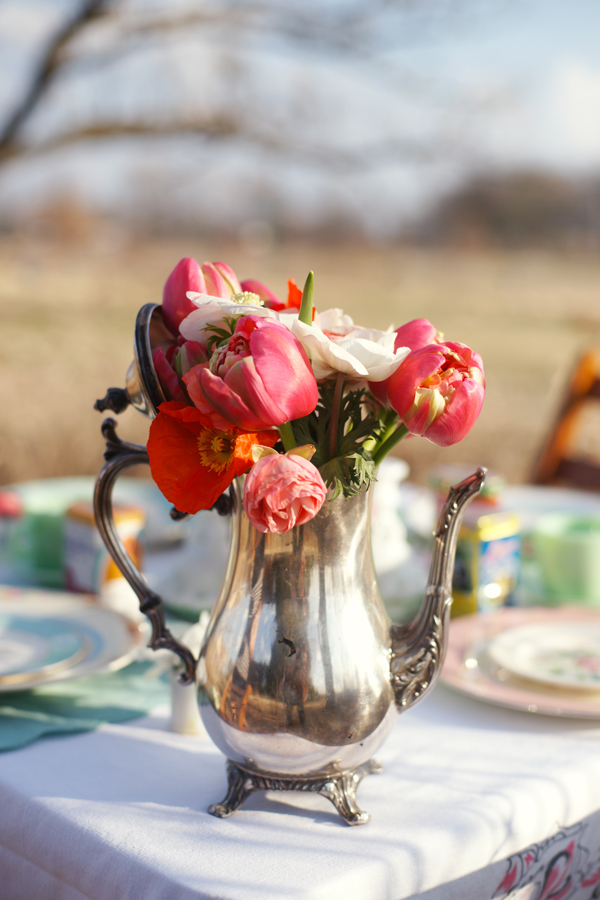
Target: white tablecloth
(120, 814)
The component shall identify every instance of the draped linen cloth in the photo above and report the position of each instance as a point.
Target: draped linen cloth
(475, 803)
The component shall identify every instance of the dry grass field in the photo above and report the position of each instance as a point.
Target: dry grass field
(67, 314)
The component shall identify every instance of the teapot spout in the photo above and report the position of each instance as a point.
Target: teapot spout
(418, 649)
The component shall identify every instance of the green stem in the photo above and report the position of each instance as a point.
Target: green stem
(335, 415)
(286, 434)
(389, 422)
(389, 443)
(306, 307)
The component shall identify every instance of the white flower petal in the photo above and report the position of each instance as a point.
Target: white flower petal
(379, 358)
(213, 311)
(334, 320)
(327, 357)
(364, 353)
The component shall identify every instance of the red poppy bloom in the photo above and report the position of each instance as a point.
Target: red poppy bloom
(294, 294)
(191, 461)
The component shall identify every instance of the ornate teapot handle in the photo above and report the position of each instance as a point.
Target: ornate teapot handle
(120, 455)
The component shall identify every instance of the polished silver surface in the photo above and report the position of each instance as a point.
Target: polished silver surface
(301, 670)
(120, 455)
(419, 648)
(296, 662)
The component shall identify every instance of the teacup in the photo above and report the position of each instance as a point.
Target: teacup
(567, 547)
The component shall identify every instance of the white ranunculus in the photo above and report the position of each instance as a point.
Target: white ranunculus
(335, 322)
(214, 310)
(363, 354)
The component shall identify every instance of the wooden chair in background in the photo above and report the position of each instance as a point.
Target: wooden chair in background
(557, 462)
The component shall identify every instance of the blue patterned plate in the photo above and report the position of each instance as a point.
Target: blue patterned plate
(32, 647)
(48, 636)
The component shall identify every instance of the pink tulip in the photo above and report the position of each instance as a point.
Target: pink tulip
(270, 299)
(414, 334)
(174, 362)
(221, 280)
(192, 382)
(283, 491)
(167, 376)
(438, 392)
(261, 378)
(216, 279)
(186, 276)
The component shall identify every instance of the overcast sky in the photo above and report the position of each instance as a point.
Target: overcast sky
(483, 83)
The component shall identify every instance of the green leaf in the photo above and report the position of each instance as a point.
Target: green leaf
(347, 475)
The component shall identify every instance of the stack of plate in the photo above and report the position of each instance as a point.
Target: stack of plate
(539, 660)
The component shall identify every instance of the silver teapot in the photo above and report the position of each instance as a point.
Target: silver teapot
(301, 675)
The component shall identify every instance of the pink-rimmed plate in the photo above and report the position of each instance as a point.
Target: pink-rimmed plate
(470, 669)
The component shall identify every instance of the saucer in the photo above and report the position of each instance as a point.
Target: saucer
(470, 669)
(564, 655)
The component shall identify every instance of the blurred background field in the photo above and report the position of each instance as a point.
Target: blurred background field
(68, 312)
(437, 159)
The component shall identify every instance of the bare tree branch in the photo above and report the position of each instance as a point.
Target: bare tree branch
(49, 65)
(230, 128)
(346, 30)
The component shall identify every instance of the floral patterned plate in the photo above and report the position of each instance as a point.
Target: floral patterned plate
(470, 669)
(566, 655)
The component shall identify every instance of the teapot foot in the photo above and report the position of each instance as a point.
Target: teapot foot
(339, 789)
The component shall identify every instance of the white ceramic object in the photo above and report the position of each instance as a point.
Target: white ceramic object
(185, 714)
(565, 654)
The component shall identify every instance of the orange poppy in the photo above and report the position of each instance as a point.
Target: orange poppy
(294, 294)
(191, 461)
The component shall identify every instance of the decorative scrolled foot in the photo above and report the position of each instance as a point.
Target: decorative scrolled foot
(339, 789)
(342, 792)
(239, 788)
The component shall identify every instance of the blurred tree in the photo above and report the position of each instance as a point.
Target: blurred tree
(115, 39)
(516, 209)
(288, 106)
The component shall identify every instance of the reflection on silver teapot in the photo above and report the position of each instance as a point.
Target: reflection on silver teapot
(301, 675)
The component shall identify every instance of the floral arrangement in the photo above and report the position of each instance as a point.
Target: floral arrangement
(306, 402)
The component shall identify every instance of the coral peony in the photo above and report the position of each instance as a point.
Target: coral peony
(416, 334)
(283, 491)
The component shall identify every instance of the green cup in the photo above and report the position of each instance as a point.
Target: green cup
(567, 548)
(36, 546)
